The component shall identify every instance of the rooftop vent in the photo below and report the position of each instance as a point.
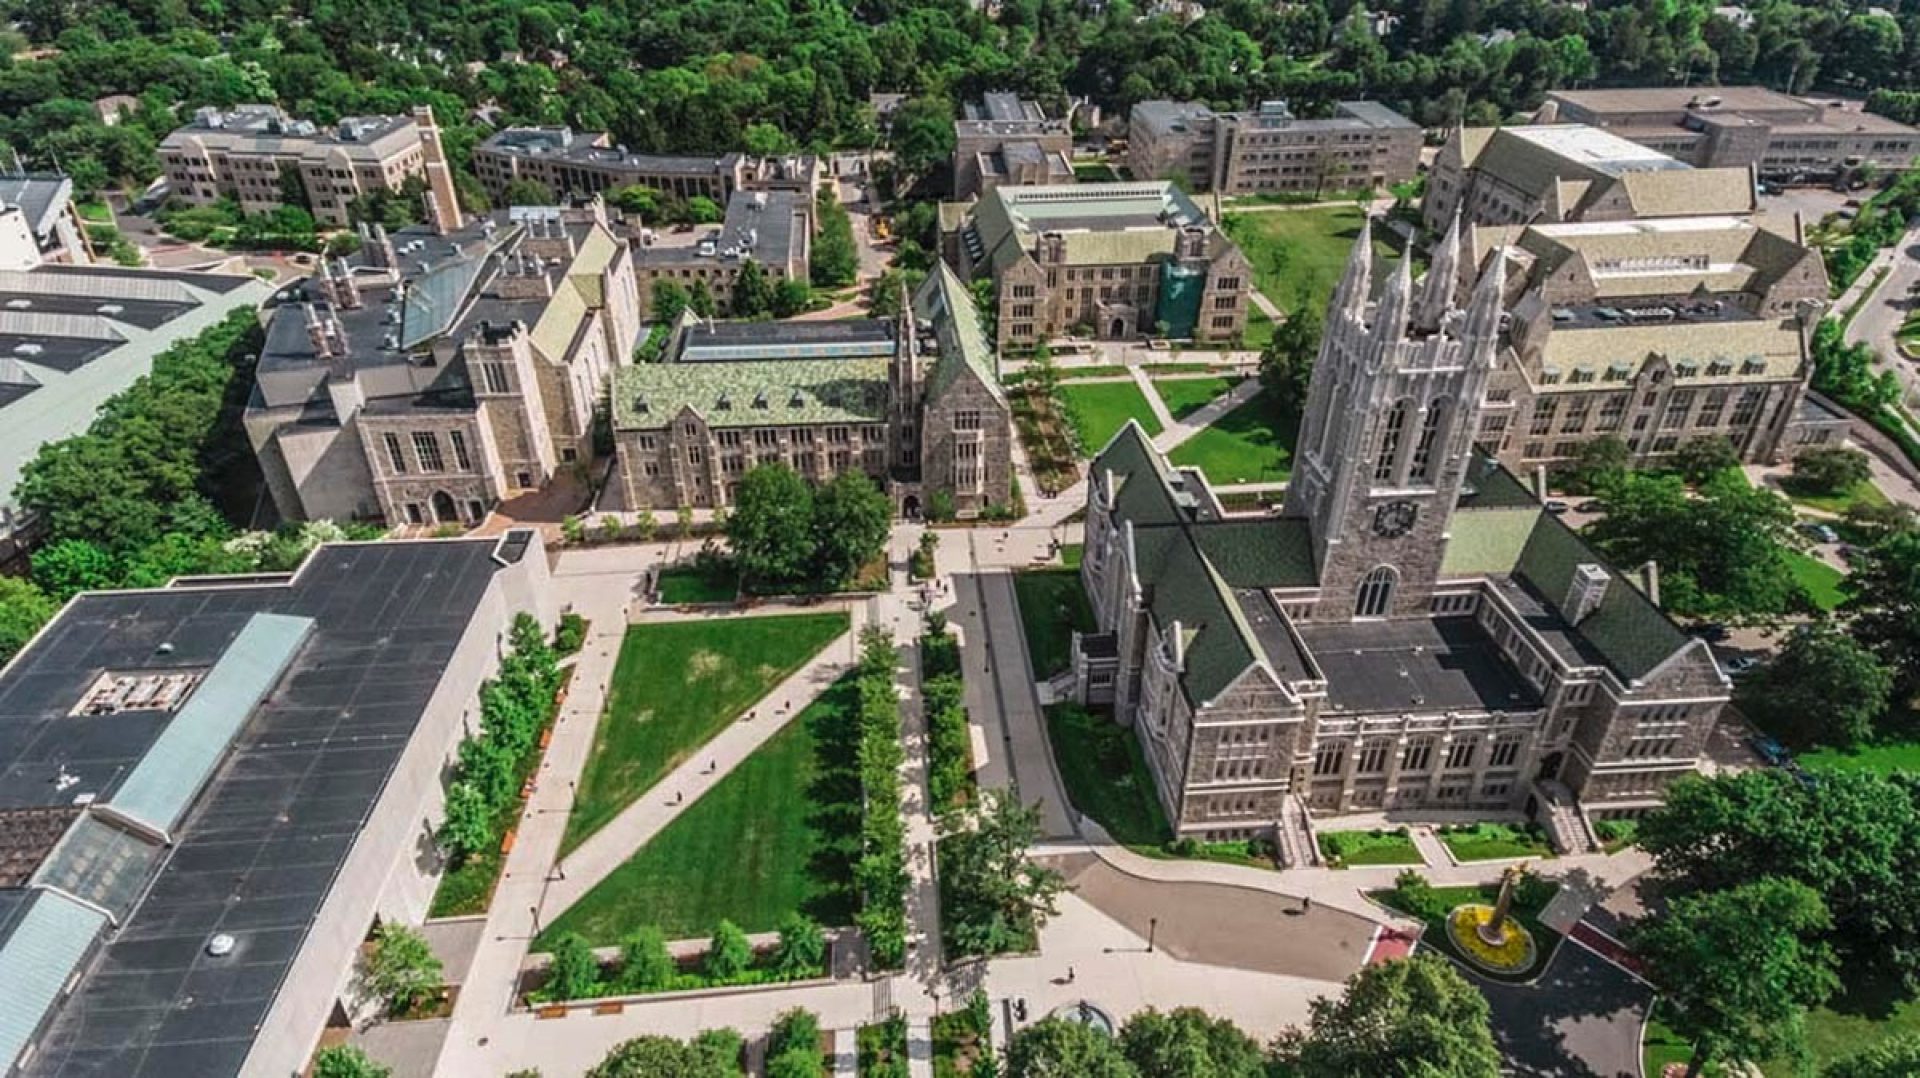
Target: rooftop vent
(19, 304)
(28, 348)
(220, 946)
(109, 308)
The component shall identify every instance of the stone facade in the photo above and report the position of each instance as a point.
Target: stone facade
(240, 153)
(585, 163)
(1414, 633)
(915, 405)
(1002, 140)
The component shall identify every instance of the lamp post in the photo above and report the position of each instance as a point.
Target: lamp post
(1153, 927)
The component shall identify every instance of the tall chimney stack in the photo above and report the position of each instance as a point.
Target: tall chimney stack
(346, 289)
(317, 334)
(443, 204)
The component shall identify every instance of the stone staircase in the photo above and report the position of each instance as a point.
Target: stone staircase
(1298, 849)
(1560, 814)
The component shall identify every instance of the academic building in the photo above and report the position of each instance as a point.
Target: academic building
(580, 163)
(1003, 140)
(1413, 632)
(1656, 332)
(1363, 146)
(1110, 260)
(914, 403)
(444, 368)
(1546, 173)
(771, 228)
(1787, 139)
(211, 794)
(240, 153)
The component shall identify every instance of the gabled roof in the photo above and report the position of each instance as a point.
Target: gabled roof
(945, 301)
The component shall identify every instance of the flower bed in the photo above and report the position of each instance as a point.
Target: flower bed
(1515, 954)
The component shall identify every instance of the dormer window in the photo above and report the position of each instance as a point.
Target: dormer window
(641, 406)
(760, 400)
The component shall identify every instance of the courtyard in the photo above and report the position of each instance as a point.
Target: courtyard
(675, 686)
(1298, 251)
(1251, 444)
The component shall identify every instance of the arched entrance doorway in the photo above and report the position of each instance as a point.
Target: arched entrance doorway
(910, 507)
(1119, 329)
(1549, 767)
(443, 510)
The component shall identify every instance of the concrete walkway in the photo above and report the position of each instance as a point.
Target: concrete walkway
(1154, 402)
(623, 836)
(1431, 849)
(1208, 414)
(997, 650)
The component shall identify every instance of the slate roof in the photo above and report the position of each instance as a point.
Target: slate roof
(757, 393)
(41, 198)
(945, 301)
(1101, 224)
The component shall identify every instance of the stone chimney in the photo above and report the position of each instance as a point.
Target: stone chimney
(522, 277)
(443, 203)
(1585, 592)
(346, 289)
(383, 248)
(317, 333)
(1650, 581)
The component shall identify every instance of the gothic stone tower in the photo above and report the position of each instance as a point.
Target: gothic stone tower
(1390, 419)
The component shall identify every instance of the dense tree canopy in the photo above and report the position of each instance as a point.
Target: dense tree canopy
(1823, 688)
(1404, 1019)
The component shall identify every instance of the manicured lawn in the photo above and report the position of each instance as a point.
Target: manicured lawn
(1094, 172)
(97, 212)
(778, 834)
(1882, 758)
(1106, 776)
(676, 685)
(1345, 849)
(1861, 493)
(1821, 580)
(1100, 409)
(689, 585)
(1185, 396)
(1661, 1046)
(1071, 553)
(1259, 329)
(1052, 606)
(1297, 255)
(1490, 841)
(1251, 444)
(1868, 1011)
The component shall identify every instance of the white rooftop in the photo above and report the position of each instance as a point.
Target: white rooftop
(1596, 148)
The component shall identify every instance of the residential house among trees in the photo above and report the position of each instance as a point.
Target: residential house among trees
(914, 402)
(440, 372)
(1414, 631)
(1111, 260)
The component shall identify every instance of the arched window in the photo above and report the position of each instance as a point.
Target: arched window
(1390, 435)
(1376, 593)
(1423, 467)
(1333, 419)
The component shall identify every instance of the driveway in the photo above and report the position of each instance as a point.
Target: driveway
(1580, 1019)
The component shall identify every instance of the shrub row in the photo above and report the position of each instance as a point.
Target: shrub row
(949, 751)
(645, 965)
(881, 872)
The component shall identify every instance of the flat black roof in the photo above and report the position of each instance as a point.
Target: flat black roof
(218, 283)
(63, 354)
(1416, 664)
(259, 851)
(145, 313)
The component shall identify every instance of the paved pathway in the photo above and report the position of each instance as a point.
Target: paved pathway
(623, 836)
(1206, 416)
(1432, 850)
(1154, 402)
(999, 652)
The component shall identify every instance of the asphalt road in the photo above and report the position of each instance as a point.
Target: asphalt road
(1580, 1019)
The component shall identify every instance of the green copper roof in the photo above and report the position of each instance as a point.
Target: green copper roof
(762, 393)
(1628, 631)
(945, 301)
(1487, 542)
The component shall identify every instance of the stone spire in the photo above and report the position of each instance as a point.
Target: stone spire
(1390, 320)
(1357, 281)
(1437, 288)
(1483, 310)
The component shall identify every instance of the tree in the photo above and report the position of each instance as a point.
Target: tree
(1883, 597)
(700, 299)
(797, 1028)
(851, 520)
(489, 766)
(994, 899)
(835, 258)
(1833, 470)
(526, 192)
(1056, 1048)
(729, 952)
(400, 970)
(574, 972)
(1286, 363)
(1823, 688)
(1189, 1043)
(1597, 465)
(1853, 837)
(923, 133)
(1402, 1019)
(664, 1057)
(645, 963)
(669, 299)
(346, 1061)
(766, 140)
(702, 210)
(24, 608)
(803, 947)
(1896, 1057)
(468, 828)
(1739, 968)
(1721, 553)
(1700, 459)
(790, 297)
(752, 295)
(771, 529)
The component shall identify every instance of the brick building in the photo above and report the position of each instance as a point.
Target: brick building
(1112, 260)
(443, 371)
(1003, 140)
(915, 403)
(1414, 632)
(240, 153)
(1268, 150)
(772, 228)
